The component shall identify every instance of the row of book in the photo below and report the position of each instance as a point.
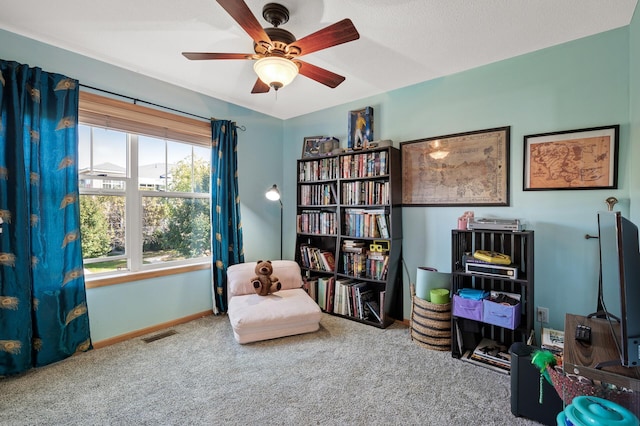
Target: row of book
(317, 195)
(365, 192)
(491, 354)
(318, 259)
(317, 222)
(366, 223)
(364, 165)
(373, 265)
(347, 297)
(315, 170)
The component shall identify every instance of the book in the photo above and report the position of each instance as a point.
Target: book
(382, 225)
(553, 340)
(468, 258)
(361, 294)
(328, 260)
(374, 309)
(349, 249)
(352, 243)
(325, 293)
(468, 357)
(491, 361)
(337, 298)
(322, 292)
(331, 288)
(310, 285)
(490, 350)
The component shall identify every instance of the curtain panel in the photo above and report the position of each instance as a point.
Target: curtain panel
(43, 308)
(226, 225)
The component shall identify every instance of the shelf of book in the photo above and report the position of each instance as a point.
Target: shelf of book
(349, 209)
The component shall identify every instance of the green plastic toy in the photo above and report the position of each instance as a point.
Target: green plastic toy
(542, 360)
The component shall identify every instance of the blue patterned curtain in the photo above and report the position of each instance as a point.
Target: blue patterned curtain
(226, 226)
(43, 309)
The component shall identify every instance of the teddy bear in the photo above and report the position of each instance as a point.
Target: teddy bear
(265, 283)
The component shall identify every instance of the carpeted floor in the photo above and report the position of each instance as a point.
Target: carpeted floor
(347, 373)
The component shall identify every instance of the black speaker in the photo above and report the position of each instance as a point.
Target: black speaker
(525, 389)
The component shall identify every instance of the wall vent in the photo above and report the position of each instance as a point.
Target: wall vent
(159, 336)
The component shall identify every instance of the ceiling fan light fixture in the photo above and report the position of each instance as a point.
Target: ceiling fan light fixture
(275, 71)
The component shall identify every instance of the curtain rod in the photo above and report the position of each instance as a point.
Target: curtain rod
(135, 101)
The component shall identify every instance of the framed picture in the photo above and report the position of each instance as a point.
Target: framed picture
(360, 128)
(311, 146)
(463, 169)
(573, 159)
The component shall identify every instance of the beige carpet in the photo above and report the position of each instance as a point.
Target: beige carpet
(347, 373)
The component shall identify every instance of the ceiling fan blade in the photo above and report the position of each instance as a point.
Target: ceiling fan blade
(239, 11)
(320, 75)
(260, 87)
(333, 35)
(203, 56)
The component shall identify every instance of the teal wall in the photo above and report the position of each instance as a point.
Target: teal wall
(583, 83)
(580, 84)
(123, 308)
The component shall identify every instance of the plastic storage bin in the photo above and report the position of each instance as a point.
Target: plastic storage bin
(507, 316)
(467, 308)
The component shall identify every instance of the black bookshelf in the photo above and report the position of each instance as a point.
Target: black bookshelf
(347, 205)
(468, 333)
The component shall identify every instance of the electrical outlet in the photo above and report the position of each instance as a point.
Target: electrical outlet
(543, 314)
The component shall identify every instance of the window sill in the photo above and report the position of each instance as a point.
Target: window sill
(144, 275)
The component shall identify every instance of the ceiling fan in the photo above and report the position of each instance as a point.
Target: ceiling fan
(277, 50)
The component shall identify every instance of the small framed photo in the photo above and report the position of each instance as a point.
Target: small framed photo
(360, 128)
(311, 146)
(572, 159)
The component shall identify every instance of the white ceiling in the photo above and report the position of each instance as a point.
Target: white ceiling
(402, 42)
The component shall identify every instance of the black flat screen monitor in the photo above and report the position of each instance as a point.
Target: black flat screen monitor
(620, 285)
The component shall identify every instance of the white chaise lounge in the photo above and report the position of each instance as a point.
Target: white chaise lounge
(284, 313)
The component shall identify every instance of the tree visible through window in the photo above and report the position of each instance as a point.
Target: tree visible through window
(144, 213)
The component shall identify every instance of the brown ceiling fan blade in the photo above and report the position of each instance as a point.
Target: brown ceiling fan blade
(239, 11)
(320, 75)
(260, 87)
(203, 56)
(333, 35)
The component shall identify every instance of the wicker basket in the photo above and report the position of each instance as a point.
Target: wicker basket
(431, 324)
(568, 388)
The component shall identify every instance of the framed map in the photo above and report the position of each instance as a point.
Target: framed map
(574, 159)
(464, 169)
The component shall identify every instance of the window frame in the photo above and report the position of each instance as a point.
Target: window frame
(135, 120)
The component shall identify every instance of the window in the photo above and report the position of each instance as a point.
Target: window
(144, 200)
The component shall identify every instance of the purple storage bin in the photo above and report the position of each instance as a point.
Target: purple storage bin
(467, 308)
(506, 316)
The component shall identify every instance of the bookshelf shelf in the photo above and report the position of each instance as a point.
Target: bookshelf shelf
(362, 189)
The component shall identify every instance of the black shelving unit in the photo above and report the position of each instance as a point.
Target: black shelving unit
(467, 333)
(332, 191)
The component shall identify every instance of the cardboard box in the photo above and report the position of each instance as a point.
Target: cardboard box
(507, 316)
(467, 308)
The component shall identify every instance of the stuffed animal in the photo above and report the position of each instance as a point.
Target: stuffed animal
(265, 283)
